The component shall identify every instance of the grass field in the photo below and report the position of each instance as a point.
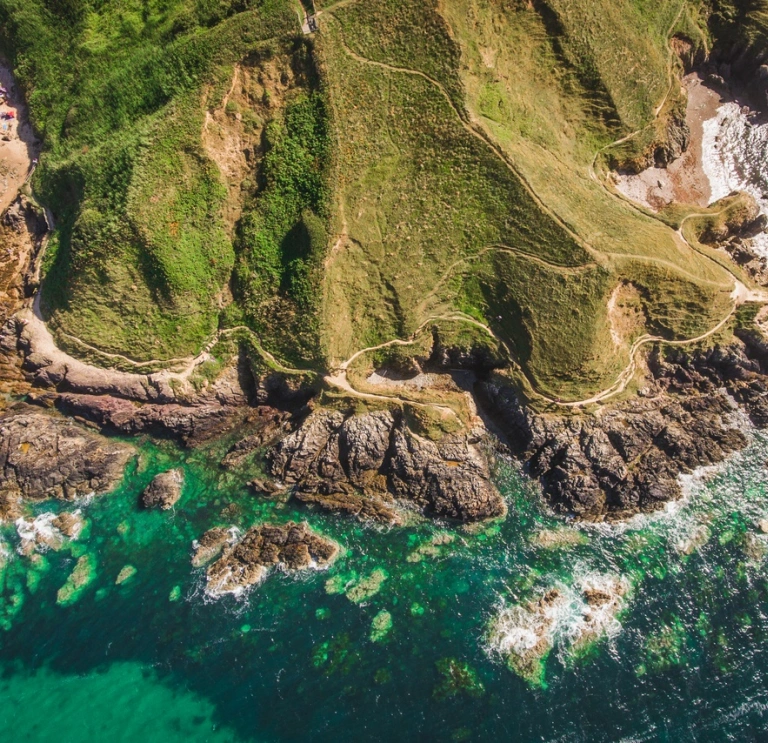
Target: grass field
(416, 162)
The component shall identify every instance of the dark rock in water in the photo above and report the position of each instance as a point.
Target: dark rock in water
(268, 487)
(626, 458)
(190, 424)
(164, 490)
(211, 545)
(358, 463)
(44, 456)
(246, 562)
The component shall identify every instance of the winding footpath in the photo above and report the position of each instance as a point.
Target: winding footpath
(740, 293)
(179, 370)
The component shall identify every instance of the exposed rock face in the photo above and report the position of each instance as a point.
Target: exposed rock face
(42, 456)
(189, 424)
(357, 463)
(626, 458)
(211, 544)
(671, 143)
(247, 561)
(164, 490)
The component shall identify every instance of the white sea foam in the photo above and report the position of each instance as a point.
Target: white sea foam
(734, 156)
(39, 534)
(566, 616)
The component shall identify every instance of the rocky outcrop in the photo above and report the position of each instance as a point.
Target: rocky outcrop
(45, 456)
(626, 458)
(245, 561)
(363, 464)
(212, 544)
(669, 144)
(189, 424)
(164, 490)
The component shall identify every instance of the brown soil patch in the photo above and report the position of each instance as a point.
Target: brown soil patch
(17, 142)
(233, 132)
(684, 180)
(626, 314)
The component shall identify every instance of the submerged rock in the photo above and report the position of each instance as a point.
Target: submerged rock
(381, 625)
(247, 561)
(364, 464)
(79, 579)
(164, 490)
(125, 574)
(43, 456)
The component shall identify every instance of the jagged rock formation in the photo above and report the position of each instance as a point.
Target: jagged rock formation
(358, 463)
(247, 560)
(43, 456)
(626, 458)
(164, 490)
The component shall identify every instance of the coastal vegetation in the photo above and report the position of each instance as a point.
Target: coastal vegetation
(410, 165)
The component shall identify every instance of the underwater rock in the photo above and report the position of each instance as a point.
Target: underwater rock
(79, 579)
(381, 625)
(125, 574)
(245, 563)
(690, 543)
(561, 538)
(44, 456)
(164, 490)
(360, 463)
(626, 457)
(457, 678)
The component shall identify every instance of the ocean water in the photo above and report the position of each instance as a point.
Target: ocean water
(734, 156)
(401, 638)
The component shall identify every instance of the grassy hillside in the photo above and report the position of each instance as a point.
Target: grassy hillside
(141, 252)
(415, 163)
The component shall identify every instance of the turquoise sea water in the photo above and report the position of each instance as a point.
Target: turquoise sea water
(306, 658)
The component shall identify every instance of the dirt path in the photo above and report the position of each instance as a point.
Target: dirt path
(740, 292)
(338, 377)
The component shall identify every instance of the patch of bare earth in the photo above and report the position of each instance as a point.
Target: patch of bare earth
(625, 314)
(18, 145)
(22, 225)
(682, 181)
(233, 132)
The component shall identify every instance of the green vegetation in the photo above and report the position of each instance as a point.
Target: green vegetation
(417, 165)
(141, 250)
(282, 237)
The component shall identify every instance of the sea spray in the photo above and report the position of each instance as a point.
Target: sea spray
(734, 156)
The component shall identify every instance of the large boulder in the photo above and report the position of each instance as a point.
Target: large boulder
(46, 456)
(245, 561)
(164, 490)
